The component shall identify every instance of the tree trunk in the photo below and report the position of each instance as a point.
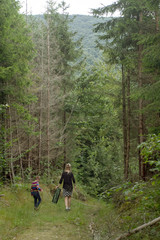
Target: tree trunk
(26, 11)
(40, 109)
(64, 126)
(11, 145)
(29, 144)
(141, 119)
(124, 122)
(64, 141)
(3, 132)
(19, 149)
(3, 147)
(128, 126)
(40, 133)
(157, 20)
(48, 102)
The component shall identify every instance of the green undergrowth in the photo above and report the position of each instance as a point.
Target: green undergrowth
(135, 204)
(16, 211)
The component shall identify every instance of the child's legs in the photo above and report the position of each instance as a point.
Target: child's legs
(35, 199)
(39, 199)
(35, 202)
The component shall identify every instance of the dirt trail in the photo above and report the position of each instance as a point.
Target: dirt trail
(53, 232)
(52, 222)
(19, 220)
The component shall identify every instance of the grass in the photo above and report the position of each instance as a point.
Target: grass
(19, 220)
(16, 212)
(87, 219)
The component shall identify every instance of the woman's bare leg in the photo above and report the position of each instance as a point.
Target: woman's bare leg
(69, 202)
(66, 202)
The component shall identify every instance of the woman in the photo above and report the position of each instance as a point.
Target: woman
(67, 178)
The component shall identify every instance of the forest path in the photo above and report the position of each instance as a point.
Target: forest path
(88, 219)
(52, 221)
(49, 231)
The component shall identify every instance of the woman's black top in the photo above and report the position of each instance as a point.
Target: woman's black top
(67, 178)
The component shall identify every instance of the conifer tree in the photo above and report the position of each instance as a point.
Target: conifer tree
(56, 64)
(127, 46)
(97, 126)
(16, 51)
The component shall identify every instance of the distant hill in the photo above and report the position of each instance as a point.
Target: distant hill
(84, 26)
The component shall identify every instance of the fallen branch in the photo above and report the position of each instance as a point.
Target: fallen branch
(135, 230)
(1, 195)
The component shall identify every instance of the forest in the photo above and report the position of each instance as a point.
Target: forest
(83, 90)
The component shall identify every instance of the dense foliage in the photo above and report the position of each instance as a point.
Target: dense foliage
(16, 54)
(130, 41)
(98, 130)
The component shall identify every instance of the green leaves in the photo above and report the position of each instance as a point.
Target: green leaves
(150, 150)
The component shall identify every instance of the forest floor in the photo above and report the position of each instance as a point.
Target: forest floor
(19, 220)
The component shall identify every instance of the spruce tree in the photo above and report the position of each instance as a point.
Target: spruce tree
(126, 44)
(16, 52)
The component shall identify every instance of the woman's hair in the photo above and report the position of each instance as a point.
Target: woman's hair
(68, 166)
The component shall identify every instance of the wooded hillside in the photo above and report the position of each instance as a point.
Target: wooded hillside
(84, 25)
(57, 106)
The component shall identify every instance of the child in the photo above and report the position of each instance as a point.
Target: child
(35, 192)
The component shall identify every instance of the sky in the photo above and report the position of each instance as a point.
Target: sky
(82, 7)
